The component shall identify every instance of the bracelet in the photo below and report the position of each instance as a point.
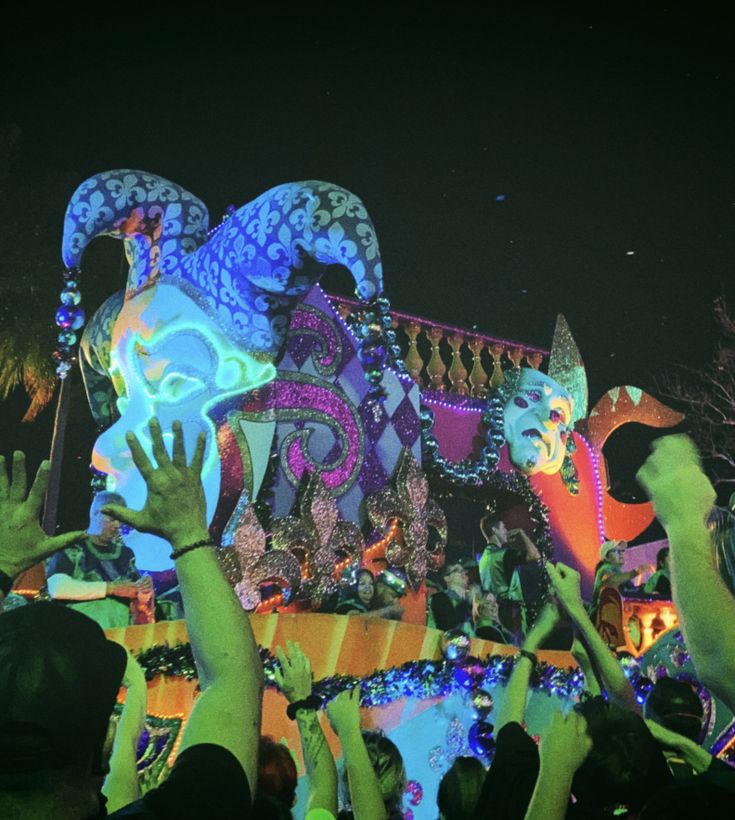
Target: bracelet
(205, 542)
(312, 703)
(6, 583)
(531, 656)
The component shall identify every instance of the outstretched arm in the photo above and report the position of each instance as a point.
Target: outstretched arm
(616, 579)
(63, 587)
(22, 541)
(692, 753)
(513, 708)
(365, 796)
(683, 497)
(121, 784)
(227, 712)
(294, 680)
(566, 584)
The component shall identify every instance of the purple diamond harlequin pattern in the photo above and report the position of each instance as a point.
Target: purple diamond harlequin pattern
(406, 423)
(373, 476)
(319, 345)
(374, 418)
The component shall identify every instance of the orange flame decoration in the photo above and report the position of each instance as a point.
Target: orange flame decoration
(374, 552)
(311, 551)
(247, 565)
(408, 502)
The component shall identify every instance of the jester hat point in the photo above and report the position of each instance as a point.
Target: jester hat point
(249, 273)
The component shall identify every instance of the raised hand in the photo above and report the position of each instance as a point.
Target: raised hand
(22, 541)
(673, 479)
(565, 582)
(294, 678)
(565, 744)
(344, 711)
(175, 507)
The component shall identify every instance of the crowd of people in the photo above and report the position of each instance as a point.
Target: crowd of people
(491, 598)
(60, 756)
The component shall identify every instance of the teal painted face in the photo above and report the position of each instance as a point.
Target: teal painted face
(170, 359)
(536, 422)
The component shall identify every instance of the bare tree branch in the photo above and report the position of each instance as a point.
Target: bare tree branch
(708, 398)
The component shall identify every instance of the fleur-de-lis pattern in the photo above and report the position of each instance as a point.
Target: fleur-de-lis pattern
(408, 501)
(320, 538)
(255, 267)
(159, 221)
(247, 564)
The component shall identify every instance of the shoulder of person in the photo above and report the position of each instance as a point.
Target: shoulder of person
(203, 776)
(72, 553)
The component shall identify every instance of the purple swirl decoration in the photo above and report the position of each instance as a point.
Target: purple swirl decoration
(312, 333)
(301, 398)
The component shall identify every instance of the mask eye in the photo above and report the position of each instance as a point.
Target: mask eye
(519, 401)
(176, 387)
(534, 395)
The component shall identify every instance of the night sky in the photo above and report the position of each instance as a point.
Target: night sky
(515, 164)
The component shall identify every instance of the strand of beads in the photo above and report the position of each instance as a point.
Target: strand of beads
(378, 345)
(70, 318)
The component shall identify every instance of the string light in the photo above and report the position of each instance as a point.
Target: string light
(598, 485)
(267, 606)
(461, 403)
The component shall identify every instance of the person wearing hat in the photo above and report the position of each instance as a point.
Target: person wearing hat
(97, 575)
(389, 587)
(60, 675)
(609, 573)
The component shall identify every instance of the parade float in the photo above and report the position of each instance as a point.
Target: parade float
(339, 430)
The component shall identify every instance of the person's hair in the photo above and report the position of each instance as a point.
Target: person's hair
(102, 499)
(675, 705)
(489, 522)
(363, 571)
(277, 775)
(661, 556)
(625, 764)
(449, 566)
(388, 766)
(460, 789)
(353, 593)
